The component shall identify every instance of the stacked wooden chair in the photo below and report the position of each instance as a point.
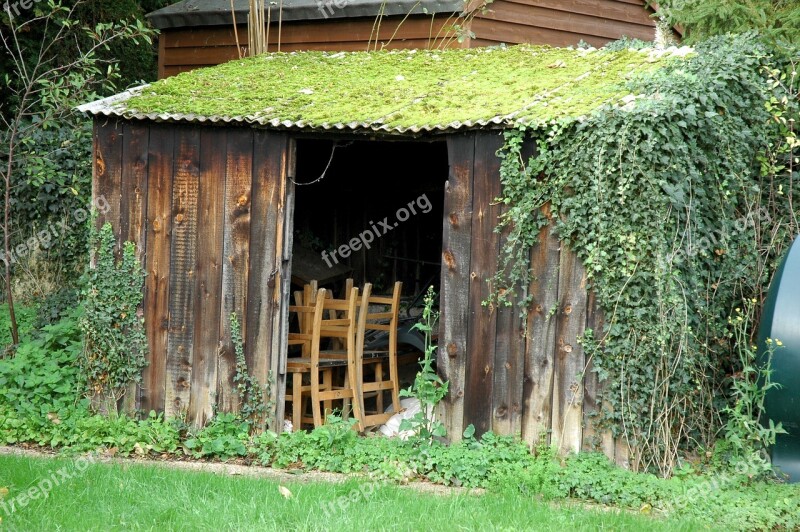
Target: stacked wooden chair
(348, 353)
(322, 319)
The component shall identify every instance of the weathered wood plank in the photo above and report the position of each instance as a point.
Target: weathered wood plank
(133, 198)
(483, 265)
(107, 175)
(537, 390)
(313, 32)
(603, 11)
(451, 361)
(266, 251)
(570, 362)
(548, 19)
(180, 339)
(157, 264)
(236, 241)
(513, 33)
(509, 367)
(279, 368)
(133, 211)
(593, 438)
(208, 274)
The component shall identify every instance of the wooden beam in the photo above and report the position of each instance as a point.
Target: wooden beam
(208, 274)
(483, 265)
(157, 262)
(570, 363)
(236, 256)
(451, 361)
(183, 256)
(537, 390)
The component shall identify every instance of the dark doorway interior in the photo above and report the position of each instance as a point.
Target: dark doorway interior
(370, 210)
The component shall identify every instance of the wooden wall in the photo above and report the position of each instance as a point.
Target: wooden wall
(551, 22)
(538, 385)
(183, 49)
(211, 213)
(206, 209)
(562, 23)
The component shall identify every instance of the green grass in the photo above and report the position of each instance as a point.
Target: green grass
(117, 496)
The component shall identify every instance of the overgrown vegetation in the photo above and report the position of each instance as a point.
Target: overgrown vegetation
(255, 401)
(115, 345)
(54, 56)
(776, 20)
(41, 405)
(428, 387)
(679, 203)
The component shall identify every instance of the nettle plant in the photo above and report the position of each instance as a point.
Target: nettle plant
(679, 204)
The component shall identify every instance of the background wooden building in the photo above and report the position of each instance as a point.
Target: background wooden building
(196, 33)
(213, 201)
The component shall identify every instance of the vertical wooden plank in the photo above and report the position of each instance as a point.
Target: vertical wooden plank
(236, 241)
(162, 54)
(594, 439)
(509, 373)
(279, 364)
(107, 192)
(107, 175)
(537, 387)
(157, 264)
(208, 274)
(483, 265)
(266, 250)
(451, 360)
(180, 338)
(570, 362)
(133, 211)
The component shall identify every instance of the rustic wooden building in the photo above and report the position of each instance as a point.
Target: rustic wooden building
(197, 33)
(218, 174)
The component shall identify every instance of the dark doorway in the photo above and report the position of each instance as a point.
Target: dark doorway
(370, 210)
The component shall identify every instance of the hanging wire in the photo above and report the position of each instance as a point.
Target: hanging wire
(327, 166)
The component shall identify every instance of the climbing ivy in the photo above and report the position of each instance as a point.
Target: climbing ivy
(115, 345)
(675, 208)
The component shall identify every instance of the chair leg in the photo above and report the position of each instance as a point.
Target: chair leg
(315, 401)
(327, 384)
(297, 401)
(379, 395)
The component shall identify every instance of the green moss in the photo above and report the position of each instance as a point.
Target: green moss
(401, 89)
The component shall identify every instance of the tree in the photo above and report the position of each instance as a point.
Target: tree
(776, 20)
(69, 64)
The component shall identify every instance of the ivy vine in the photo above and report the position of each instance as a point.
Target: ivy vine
(679, 205)
(115, 344)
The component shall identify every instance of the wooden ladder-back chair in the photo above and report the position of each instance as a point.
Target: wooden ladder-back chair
(378, 353)
(325, 318)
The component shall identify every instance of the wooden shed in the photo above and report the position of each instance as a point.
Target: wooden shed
(197, 33)
(221, 176)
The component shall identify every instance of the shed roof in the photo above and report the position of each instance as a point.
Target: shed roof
(218, 12)
(398, 91)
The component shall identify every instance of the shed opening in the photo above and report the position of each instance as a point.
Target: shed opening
(371, 211)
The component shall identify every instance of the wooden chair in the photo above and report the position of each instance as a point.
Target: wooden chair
(378, 353)
(317, 328)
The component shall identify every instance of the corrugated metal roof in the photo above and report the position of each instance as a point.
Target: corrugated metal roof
(395, 92)
(218, 12)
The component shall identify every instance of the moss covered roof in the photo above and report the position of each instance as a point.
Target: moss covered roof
(394, 91)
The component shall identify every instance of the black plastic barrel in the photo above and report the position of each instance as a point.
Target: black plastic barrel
(780, 321)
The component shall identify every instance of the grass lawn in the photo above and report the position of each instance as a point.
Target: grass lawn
(92, 495)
